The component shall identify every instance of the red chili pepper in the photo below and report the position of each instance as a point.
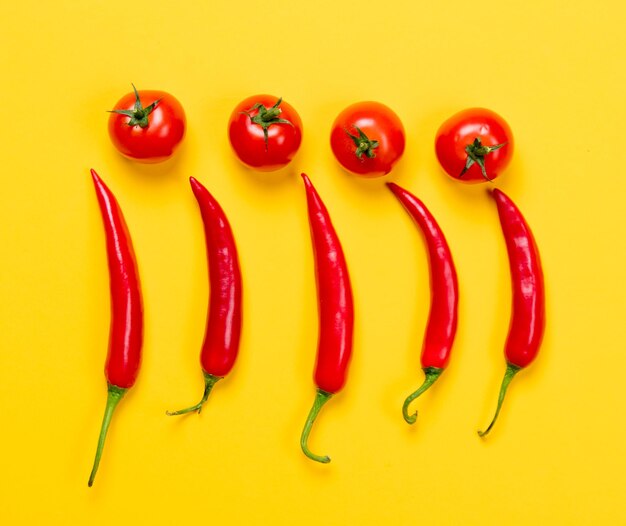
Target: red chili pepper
(223, 327)
(336, 311)
(126, 333)
(444, 294)
(528, 310)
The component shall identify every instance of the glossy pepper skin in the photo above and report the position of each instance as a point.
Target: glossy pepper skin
(444, 293)
(528, 306)
(126, 332)
(223, 327)
(335, 309)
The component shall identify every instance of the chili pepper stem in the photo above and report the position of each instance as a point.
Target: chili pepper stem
(432, 373)
(511, 371)
(321, 398)
(209, 381)
(114, 395)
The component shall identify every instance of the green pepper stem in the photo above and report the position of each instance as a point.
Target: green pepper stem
(432, 373)
(114, 395)
(511, 371)
(321, 398)
(209, 381)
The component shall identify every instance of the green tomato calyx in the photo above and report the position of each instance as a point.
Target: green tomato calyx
(138, 115)
(476, 153)
(364, 145)
(265, 117)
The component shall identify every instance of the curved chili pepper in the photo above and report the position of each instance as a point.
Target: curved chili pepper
(126, 333)
(444, 294)
(223, 326)
(336, 311)
(528, 310)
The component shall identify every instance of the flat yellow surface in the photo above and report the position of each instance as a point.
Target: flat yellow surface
(554, 70)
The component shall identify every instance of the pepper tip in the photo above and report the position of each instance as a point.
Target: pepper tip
(196, 186)
(495, 193)
(307, 181)
(97, 180)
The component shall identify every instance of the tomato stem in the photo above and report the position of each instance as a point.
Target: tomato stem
(138, 115)
(265, 117)
(209, 381)
(364, 145)
(432, 373)
(321, 398)
(114, 395)
(511, 371)
(476, 153)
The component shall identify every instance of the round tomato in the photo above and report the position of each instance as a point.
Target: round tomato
(367, 139)
(147, 126)
(265, 132)
(474, 145)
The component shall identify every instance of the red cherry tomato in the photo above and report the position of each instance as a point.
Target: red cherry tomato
(367, 139)
(474, 145)
(147, 126)
(265, 132)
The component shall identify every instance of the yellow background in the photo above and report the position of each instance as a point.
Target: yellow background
(554, 70)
